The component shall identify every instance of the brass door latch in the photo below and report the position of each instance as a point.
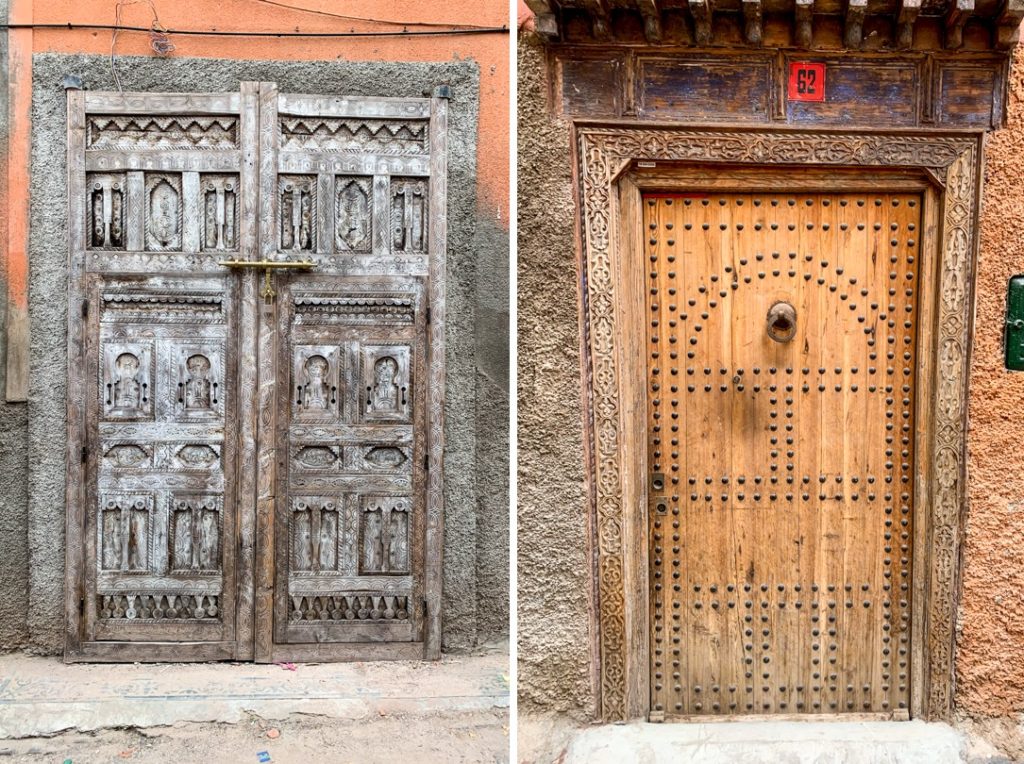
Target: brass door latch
(268, 293)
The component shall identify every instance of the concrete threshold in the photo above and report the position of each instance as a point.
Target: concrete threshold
(44, 696)
(758, 742)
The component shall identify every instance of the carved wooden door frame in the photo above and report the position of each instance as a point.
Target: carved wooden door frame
(614, 162)
(253, 155)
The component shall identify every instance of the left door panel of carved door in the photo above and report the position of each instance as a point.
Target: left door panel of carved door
(160, 413)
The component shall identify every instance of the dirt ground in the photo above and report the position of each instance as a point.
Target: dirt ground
(454, 738)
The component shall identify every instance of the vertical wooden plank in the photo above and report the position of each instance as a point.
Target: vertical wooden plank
(264, 611)
(76, 441)
(192, 212)
(135, 216)
(381, 215)
(438, 233)
(325, 213)
(248, 326)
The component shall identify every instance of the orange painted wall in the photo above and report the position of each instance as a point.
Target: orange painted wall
(490, 51)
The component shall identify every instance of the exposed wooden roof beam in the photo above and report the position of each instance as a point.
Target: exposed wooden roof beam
(956, 17)
(545, 22)
(702, 11)
(1008, 24)
(853, 31)
(907, 16)
(599, 21)
(752, 15)
(804, 23)
(652, 19)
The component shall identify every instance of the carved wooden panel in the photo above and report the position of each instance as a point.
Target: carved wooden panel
(185, 383)
(780, 450)
(614, 292)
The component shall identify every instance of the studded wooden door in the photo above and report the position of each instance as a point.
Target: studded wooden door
(781, 371)
(252, 469)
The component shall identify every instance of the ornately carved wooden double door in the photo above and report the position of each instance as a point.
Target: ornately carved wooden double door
(781, 360)
(254, 470)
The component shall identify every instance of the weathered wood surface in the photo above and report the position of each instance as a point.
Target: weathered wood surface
(244, 469)
(704, 86)
(781, 450)
(823, 25)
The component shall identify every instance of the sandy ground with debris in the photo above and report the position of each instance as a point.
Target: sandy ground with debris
(452, 738)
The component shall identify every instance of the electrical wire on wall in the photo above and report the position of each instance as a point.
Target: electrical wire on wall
(158, 36)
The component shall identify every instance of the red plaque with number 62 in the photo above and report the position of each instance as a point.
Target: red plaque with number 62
(806, 81)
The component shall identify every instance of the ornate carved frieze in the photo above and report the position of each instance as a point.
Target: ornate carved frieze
(195, 534)
(348, 607)
(163, 209)
(132, 132)
(105, 210)
(297, 210)
(125, 530)
(219, 201)
(355, 135)
(384, 535)
(140, 606)
(387, 383)
(356, 308)
(603, 154)
(163, 307)
(353, 211)
(315, 524)
(409, 212)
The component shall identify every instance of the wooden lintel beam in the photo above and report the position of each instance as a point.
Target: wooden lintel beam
(652, 20)
(702, 12)
(907, 16)
(804, 23)
(853, 30)
(752, 16)
(1008, 24)
(545, 18)
(956, 17)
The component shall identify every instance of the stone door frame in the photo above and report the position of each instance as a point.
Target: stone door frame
(610, 162)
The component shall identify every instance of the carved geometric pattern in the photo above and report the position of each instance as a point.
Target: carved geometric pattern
(315, 525)
(348, 607)
(603, 153)
(124, 528)
(362, 136)
(142, 606)
(126, 133)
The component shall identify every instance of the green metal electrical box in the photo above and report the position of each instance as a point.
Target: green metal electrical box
(1015, 324)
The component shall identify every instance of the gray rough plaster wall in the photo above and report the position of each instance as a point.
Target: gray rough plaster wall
(48, 298)
(13, 459)
(554, 569)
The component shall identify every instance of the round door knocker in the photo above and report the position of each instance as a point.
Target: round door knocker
(782, 322)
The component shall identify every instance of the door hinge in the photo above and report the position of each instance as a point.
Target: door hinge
(85, 454)
(426, 462)
(428, 315)
(81, 605)
(424, 608)
(85, 308)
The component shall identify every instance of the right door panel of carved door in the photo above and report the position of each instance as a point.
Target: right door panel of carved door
(781, 366)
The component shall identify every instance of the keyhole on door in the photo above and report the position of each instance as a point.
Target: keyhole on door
(781, 322)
